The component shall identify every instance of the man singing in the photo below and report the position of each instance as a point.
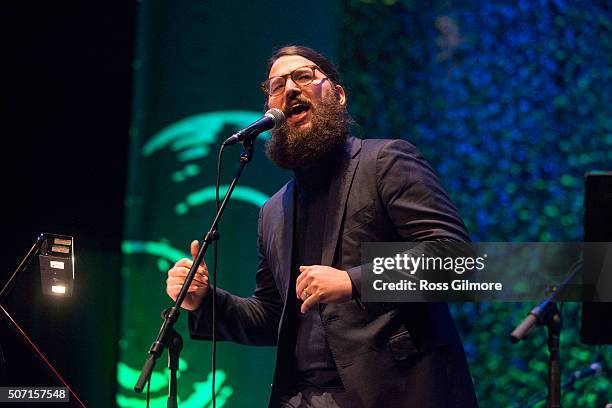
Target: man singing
(333, 349)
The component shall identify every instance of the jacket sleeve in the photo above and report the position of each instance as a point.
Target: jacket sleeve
(252, 320)
(414, 200)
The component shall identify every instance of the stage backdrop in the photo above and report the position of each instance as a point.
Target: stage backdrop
(197, 72)
(512, 103)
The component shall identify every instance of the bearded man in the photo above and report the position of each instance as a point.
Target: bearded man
(333, 349)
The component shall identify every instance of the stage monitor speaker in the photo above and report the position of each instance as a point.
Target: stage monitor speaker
(596, 327)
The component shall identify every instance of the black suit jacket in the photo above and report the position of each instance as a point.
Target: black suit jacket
(386, 354)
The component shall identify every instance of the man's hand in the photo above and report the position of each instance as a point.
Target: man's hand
(199, 285)
(318, 283)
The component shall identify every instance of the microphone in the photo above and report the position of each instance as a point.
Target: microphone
(594, 370)
(272, 119)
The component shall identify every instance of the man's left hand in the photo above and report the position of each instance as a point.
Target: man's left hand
(318, 283)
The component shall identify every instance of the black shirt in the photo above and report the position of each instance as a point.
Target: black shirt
(314, 362)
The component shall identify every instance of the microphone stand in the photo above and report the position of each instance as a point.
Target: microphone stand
(22, 265)
(547, 313)
(167, 336)
(569, 383)
(15, 326)
(175, 345)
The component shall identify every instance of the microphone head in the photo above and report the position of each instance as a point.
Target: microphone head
(597, 368)
(594, 369)
(277, 116)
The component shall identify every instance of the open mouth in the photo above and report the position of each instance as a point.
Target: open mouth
(298, 108)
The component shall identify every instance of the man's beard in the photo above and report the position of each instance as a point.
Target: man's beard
(292, 148)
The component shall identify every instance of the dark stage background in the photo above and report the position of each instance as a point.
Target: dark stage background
(110, 110)
(67, 86)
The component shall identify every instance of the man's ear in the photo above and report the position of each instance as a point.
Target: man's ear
(340, 94)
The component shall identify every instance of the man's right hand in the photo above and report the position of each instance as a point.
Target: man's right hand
(199, 285)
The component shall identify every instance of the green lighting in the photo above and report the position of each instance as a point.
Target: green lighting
(192, 154)
(207, 194)
(551, 210)
(568, 180)
(192, 136)
(190, 170)
(199, 398)
(160, 249)
(163, 264)
(127, 376)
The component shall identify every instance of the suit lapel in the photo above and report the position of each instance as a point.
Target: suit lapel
(284, 241)
(339, 188)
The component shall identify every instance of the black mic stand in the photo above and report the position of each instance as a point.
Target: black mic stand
(175, 346)
(15, 326)
(547, 314)
(553, 323)
(167, 336)
(22, 265)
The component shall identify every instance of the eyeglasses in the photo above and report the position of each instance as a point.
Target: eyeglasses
(301, 76)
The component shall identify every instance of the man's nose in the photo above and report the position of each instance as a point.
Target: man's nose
(291, 88)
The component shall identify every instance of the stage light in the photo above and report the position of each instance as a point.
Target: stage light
(56, 262)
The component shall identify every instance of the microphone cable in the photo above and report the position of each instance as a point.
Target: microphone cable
(214, 286)
(149, 390)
